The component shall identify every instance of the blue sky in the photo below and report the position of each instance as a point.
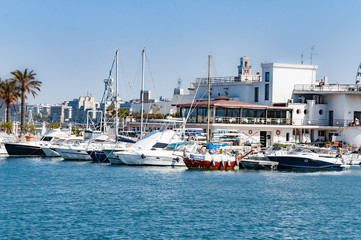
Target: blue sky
(71, 44)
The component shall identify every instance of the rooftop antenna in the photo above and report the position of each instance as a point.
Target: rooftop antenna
(179, 83)
(312, 53)
(358, 75)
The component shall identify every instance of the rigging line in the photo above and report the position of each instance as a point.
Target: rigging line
(151, 75)
(195, 94)
(214, 67)
(122, 68)
(135, 78)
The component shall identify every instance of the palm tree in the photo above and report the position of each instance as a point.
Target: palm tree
(27, 84)
(9, 93)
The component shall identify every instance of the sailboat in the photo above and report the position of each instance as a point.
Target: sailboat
(211, 157)
(159, 148)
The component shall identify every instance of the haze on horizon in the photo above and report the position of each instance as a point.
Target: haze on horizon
(71, 44)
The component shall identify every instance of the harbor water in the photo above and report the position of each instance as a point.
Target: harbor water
(44, 198)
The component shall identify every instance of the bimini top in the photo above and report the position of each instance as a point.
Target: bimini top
(228, 103)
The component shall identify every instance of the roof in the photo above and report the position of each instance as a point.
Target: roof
(228, 103)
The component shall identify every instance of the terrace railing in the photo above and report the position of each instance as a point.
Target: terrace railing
(242, 78)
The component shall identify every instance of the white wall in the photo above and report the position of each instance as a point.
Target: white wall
(352, 135)
(283, 77)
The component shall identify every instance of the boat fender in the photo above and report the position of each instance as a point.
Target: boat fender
(143, 156)
(228, 163)
(213, 163)
(177, 159)
(237, 163)
(222, 163)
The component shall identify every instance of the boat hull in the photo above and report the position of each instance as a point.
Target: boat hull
(16, 149)
(151, 158)
(303, 162)
(74, 155)
(193, 162)
(98, 156)
(50, 152)
(112, 158)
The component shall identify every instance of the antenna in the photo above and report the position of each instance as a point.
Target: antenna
(179, 83)
(312, 53)
(358, 75)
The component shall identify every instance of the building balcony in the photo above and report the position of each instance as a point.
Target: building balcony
(242, 78)
(326, 88)
(244, 120)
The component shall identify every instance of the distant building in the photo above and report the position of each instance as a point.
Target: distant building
(75, 110)
(60, 113)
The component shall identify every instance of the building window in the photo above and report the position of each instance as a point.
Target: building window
(298, 111)
(287, 137)
(256, 90)
(320, 112)
(305, 111)
(266, 92)
(267, 77)
(357, 114)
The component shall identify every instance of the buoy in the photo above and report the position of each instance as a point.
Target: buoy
(278, 132)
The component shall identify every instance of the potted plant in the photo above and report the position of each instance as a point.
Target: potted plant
(30, 129)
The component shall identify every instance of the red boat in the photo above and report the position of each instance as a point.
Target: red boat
(209, 161)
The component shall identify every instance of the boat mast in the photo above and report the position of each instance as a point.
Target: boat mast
(116, 97)
(209, 98)
(142, 97)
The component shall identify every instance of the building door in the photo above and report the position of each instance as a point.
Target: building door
(330, 118)
(263, 138)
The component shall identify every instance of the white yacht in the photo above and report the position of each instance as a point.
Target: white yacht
(78, 150)
(159, 148)
(49, 151)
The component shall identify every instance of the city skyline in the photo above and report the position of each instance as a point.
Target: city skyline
(71, 45)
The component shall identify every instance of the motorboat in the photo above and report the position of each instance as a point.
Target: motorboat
(6, 138)
(33, 148)
(50, 149)
(78, 150)
(257, 160)
(158, 148)
(301, 158)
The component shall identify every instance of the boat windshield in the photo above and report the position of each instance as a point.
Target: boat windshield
(300, 150)
(46, 139)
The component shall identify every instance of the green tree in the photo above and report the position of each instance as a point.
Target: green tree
(27, 85)
(122, 112)
(53, 125)
(9, 93)
(7, 127)
(154, 108)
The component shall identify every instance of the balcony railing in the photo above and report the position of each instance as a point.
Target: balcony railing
(279, 121)
(328, 87)
(246, 120)
(242, 78)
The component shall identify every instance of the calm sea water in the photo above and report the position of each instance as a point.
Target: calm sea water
(53, 199)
